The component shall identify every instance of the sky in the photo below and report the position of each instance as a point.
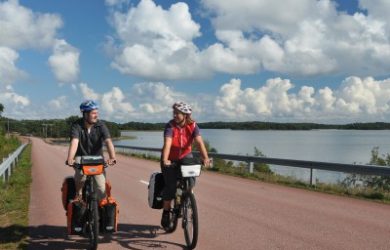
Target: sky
(281, 61)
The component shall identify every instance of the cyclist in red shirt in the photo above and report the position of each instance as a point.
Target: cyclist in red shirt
(179, 134)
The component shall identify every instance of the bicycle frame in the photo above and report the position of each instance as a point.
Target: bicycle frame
(91, 167)
(183, 203)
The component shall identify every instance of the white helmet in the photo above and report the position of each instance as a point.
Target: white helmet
(182, 107)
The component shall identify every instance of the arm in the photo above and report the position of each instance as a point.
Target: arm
(74, 143)
(166, 149)
(203, 151)
(111, 151)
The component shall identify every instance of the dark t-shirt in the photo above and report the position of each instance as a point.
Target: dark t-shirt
(90, 143)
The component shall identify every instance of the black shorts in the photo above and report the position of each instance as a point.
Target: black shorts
(171, 174)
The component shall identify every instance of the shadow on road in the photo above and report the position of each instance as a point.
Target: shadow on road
(128, 236)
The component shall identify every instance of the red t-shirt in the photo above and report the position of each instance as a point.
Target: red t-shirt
(182, 138)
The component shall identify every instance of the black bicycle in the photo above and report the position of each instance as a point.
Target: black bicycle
(91, 166)
(185, 205)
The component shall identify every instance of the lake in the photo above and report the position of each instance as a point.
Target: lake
(342, 146)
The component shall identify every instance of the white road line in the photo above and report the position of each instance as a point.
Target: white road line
(144, 182)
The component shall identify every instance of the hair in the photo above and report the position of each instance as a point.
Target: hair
(189, 119)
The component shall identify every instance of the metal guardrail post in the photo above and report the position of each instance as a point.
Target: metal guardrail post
(311, 176)
(10, 163)
(250, 167)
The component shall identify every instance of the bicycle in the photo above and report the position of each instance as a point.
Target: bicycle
(91, 166)
(185, 205)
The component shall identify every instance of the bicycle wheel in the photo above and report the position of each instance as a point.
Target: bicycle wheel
(173, 223)
(190, 221)
(93, 225)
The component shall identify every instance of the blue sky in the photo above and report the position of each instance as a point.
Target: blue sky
(284, 61)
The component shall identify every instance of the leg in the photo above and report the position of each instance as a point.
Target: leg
(79, 179)
(170, 178)
(168, 194)
(100, 186)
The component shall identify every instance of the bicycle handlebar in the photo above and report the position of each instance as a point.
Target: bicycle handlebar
(79, 165)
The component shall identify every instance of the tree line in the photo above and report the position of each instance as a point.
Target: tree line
(60, 128)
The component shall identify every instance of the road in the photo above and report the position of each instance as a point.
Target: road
(234, 213)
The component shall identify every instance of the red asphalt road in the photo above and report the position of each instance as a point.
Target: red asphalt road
(234, 213)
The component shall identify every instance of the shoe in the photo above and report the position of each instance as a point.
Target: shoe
(165, 219)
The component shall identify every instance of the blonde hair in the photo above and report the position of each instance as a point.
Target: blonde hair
(189, 119)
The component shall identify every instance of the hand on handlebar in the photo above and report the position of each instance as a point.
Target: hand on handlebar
(167, 163)
(69, 163)
(111, 162)
(207, 162)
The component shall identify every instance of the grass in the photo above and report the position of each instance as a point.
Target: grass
(14, 201)
(8, 145)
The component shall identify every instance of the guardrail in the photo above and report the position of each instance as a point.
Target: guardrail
(250, 160)
(10, 163)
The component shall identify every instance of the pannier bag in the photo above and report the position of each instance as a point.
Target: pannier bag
(68, 190)
(75, 216)
(156, 185)
(109, 211)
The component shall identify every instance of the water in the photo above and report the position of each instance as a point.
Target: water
(342, 146)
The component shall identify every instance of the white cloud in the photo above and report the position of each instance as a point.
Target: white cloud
(314, 39)
(11, 100)
(59, 102)
(88, 93)
(8, 70)
(378, 9)
(113, 104)
(64, 62)
(23, 28)
(156, 98)
(262, 15)
(115, 3)
(157, 43)
(356, 98)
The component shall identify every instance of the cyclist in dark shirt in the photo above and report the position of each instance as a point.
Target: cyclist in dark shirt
(87, 137)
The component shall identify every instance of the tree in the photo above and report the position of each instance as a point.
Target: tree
(1, 108)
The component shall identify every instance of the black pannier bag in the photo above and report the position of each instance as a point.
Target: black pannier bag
(109, 211)
(75, 217)
(156, 185)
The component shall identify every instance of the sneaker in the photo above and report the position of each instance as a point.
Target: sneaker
(165, 219)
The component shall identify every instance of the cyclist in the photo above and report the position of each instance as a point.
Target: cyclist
(179, 134)
(87, 137)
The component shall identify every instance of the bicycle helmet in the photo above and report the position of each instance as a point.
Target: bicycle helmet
(182, 107)
(88, 105)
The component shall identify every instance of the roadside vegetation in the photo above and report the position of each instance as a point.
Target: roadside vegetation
(14, 195)
(367, 187)
(14, 201)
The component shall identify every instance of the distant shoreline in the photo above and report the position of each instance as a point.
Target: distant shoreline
(136, 126)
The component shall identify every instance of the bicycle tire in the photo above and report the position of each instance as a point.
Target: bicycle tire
(93, 222)
(173, 224)
(190, 221)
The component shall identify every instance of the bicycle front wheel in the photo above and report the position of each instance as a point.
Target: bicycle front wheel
(190, 221)
(93, 225)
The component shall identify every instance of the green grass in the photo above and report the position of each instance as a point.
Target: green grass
(8, 145)
(14, 201)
